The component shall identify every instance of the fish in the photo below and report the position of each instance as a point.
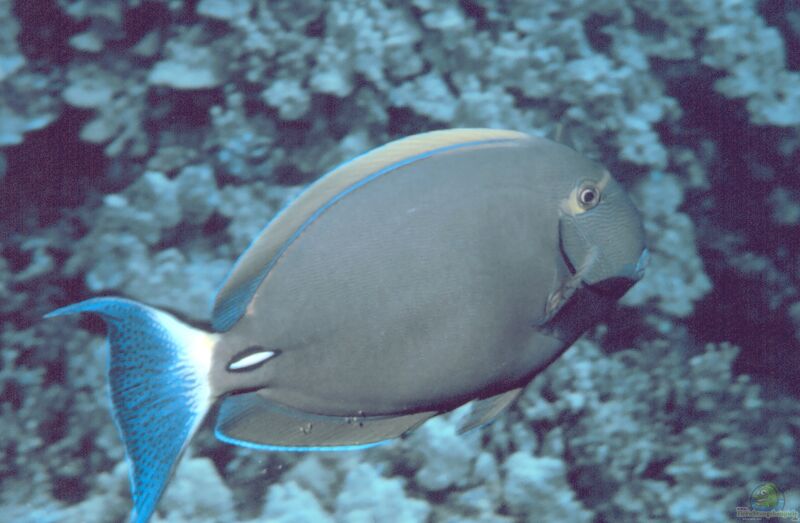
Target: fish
(443, 268)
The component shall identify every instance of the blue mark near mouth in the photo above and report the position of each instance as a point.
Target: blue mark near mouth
(636, 272)
(641, 265)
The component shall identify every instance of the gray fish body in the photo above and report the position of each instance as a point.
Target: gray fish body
(420, 290)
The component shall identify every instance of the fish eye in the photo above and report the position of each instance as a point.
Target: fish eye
(588, 196)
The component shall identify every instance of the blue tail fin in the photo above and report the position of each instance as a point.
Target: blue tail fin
(158, 379)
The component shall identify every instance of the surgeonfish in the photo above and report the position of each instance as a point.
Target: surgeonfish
(443, 268)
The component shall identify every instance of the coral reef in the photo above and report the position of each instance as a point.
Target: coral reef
(27, 101)
(145, 143)
(676, 278)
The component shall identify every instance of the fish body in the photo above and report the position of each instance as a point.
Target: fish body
(443, 268)
(416, 270)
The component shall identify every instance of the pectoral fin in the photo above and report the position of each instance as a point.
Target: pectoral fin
(558, 298)
(486, 410)
(250, 420)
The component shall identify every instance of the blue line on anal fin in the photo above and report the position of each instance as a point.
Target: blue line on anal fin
(249, 420)
(158, 383)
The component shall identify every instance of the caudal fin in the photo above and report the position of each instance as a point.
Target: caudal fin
(158, 379)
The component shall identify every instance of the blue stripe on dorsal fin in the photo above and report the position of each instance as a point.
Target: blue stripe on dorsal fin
(258, 259)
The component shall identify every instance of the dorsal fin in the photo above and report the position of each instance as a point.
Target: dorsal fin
(254, 264)
(561, 134)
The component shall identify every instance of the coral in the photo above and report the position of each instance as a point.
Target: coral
(44, 513)
(446, 457)
(229, 10)
(107, 504)
(288, 97)
(43, 456)
(246, 207)
(691, 430)
(119, 102)
(366, 495)
(10, 58)
(313, 475)
(290, 503)
(785, 207)
(242, 147)
(195, 192)
(753, 56)
(197, 493)
(188, 64)
(730, 37)
(9, 300)
(366, 39)
(26, 103)
(199, 121)
(121, 249)
(675, 278)
(794, 315)
(538, 487)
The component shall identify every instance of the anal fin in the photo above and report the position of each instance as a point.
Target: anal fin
(250, 420)
(486, 410)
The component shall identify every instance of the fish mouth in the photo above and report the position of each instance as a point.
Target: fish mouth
(613, 288)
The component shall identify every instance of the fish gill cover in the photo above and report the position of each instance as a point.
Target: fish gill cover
(143, 144)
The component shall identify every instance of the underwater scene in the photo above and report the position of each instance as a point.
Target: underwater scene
(472, 324)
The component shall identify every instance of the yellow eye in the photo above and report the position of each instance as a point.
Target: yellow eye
(588, 196)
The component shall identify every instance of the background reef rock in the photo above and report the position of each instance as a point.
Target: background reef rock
(143, 143)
